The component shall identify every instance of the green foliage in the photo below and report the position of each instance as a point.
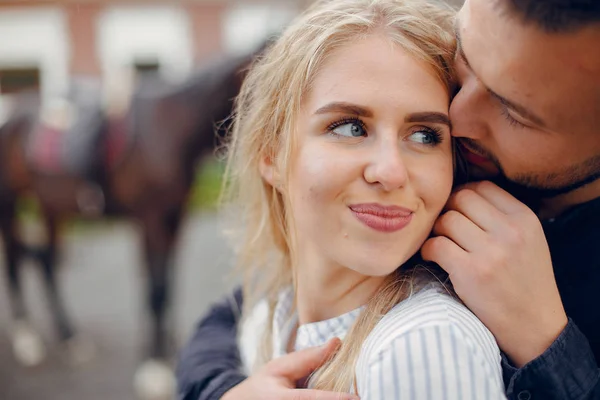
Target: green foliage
(207, 186)
(28, 209)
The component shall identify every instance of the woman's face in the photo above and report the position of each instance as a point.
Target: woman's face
(373, 166)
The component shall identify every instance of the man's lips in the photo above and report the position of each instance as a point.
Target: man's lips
(473, 157)
(382, 218)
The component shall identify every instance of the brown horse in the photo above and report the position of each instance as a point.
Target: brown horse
(139, 163)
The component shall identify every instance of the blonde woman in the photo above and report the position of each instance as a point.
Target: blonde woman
(340, 161)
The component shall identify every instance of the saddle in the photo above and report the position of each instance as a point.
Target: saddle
(78, 137)
(67, 139)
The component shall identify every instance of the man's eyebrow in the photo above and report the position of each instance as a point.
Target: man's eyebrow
(429, 116)
(519, 109)
(342, 107)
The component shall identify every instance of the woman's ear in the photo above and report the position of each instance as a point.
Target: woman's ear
(268, 171)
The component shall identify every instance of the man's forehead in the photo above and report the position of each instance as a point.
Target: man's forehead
(486, 49)
(587, 51)
(492, 19)
(541, 71)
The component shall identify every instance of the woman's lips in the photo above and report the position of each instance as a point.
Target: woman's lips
(382, 218)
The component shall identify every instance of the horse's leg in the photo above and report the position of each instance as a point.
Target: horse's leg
(78, 349)
(48, 260)
(159, 242)
(28, 347)
(12, 250)
(155, 379)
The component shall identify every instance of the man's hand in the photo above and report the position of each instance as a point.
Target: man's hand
(494, 249)
(277, 379)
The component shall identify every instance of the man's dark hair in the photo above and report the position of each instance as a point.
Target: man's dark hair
(557, 15)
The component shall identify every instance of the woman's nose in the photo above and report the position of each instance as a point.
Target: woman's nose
(387, 167)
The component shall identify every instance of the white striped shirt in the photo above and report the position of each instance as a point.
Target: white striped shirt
(429, 346)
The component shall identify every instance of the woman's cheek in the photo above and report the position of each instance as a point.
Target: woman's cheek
(438, 185)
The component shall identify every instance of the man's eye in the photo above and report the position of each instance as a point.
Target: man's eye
(511, 121)
(349, 129)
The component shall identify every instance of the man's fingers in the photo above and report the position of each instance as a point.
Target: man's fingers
(297, 365)
(475, 207)
(445, 253)
(459, 229)
(309, 394)
(498, 197)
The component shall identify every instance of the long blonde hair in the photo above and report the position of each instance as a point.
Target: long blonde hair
(264, 122)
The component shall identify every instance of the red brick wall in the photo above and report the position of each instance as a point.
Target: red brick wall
(82, 31)
(206, 22)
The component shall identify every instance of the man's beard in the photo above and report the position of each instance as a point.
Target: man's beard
(532, 188)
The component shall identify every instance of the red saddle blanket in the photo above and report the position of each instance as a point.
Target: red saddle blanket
(52, 151)
(44, 149)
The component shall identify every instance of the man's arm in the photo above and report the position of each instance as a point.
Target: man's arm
(566, 370)
(210, 365)
(495, 252)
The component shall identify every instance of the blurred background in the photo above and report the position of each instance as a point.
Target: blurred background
(44, 47)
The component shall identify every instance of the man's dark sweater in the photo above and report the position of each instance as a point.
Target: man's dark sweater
(210, 363)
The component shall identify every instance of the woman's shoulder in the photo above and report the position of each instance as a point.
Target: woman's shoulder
(434, 314)
(430, 342)
(433, 305)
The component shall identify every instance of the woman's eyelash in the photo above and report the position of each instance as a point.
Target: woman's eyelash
(436, 133)
(345, 121)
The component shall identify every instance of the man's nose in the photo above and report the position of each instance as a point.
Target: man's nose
(466, 114)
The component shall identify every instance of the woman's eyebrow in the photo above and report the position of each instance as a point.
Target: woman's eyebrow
(429, 116)
(342, 107)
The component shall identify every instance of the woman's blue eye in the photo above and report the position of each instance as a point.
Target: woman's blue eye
(349, 129)
(426, 137)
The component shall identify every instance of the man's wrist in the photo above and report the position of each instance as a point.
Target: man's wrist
(534, 343)
(566, 370)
